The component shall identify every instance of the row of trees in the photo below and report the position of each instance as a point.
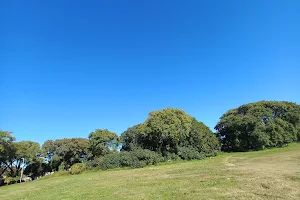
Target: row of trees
(167, 134)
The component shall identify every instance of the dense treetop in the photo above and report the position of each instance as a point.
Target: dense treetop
(167, 131)
(259, 125)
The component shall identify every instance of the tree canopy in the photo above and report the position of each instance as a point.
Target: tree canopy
(101, 142)
(259, 125)
(66, 152)
(165, 131)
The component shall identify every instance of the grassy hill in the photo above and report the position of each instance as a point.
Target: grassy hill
(268, 174)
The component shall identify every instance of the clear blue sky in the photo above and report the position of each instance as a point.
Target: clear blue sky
(69, 67)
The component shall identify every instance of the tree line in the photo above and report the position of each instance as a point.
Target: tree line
(168, 134)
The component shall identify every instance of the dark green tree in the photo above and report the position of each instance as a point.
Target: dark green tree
(102, 142)
(259, 125)
(167, 131)
(66, 152)
(7, 151)
(130, 139)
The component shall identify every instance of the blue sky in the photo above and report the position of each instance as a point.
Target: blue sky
(69, 67)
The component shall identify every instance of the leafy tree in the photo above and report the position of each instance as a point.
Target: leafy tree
(202, 139)
(27, 153)
(102, 142)
(167, 131)
(259, 125)
(7, 151)
(30, 151)
(37, 168)
(15, 155)
(130, 139)
(49, 149)
(66, 151)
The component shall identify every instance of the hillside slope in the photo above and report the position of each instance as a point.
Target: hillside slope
(268, 174)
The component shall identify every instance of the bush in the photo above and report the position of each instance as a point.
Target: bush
(134, 159)
(110, 161)
(62, 167)
(11, 180)
(190, 153)
(172, 157)
(78, 168)
(149, 157)
(95, 163)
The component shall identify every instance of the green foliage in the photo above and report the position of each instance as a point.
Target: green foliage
(259, 125)
(102, 142)
(78, 168)
(62, 167)
(202, 139)
(171, 157)
(147, 156)
(94, 163)
(27, 150)
(165, 131)
(130, 139)
(7, 151)
(13, 154)
(134, 159)
(11, 180)
(111, 161)
(67, 151)
(190, 153)
(37, 168)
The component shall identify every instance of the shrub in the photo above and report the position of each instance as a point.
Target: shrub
(149, 157)
(134, 159)
(189, 153)
(62, 167)
(11, 180)
(78, 168)
(95, 163)
(110, 161)
(172, 157)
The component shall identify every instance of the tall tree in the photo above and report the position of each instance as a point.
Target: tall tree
(15, 155)
(102, 142)
(168, 130)
(7, 151)
(27, 153)
(165, 129)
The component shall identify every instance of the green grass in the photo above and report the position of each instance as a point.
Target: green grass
(268, 174)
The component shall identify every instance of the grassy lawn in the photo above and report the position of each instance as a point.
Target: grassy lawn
(268, 174)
